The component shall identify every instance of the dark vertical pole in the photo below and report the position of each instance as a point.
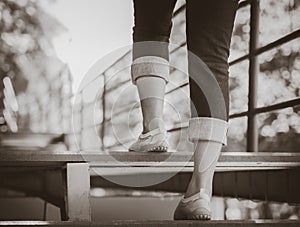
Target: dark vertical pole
(252, 133)
(1, 99)
(102, 133)
(45, 211)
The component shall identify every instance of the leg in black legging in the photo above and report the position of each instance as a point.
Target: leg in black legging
(209, 28)
(150, 67)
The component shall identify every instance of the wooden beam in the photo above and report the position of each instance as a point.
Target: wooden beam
(233, 160)
(77, 193)
(264, 185)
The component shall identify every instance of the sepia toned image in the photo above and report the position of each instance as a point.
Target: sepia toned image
(150, 113)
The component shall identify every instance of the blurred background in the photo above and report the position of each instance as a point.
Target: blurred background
(48, 46)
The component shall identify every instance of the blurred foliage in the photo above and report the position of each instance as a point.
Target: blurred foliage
(278, 79)
(241, 209)
(20, 33)
(28, 58)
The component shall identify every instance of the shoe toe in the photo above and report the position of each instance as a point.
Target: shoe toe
(133, 147)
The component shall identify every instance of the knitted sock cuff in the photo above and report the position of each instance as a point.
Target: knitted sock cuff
(148, 66)
(207, 129)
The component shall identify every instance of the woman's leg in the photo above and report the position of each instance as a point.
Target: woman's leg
(209, 28)
(151, 92)
(150, 67)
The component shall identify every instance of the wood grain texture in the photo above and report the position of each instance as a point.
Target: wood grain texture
(227, 160)
(78, 192)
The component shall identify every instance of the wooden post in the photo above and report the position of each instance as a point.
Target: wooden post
(77, 193)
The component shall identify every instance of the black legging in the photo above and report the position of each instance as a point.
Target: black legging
(209, 29)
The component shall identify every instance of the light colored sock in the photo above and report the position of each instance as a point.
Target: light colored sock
(151, 87)
(201, 194)
(151, 92)
(205, 159)
(206, 155)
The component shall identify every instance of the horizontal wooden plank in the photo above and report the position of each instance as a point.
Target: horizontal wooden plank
(265, 185)
(247, 223)
(121, 156)
(113, 171)
(128, 163)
